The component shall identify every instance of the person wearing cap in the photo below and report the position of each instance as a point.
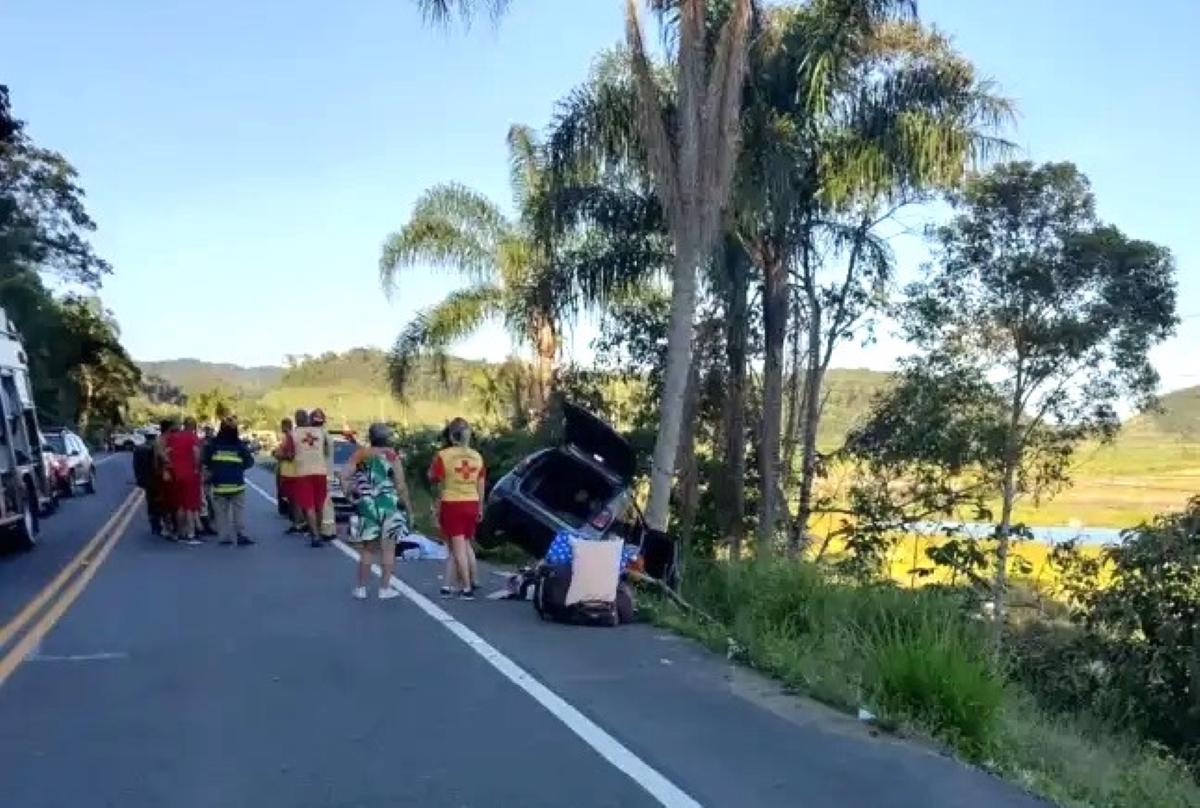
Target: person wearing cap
(374, 476)
(459, 471)
(312, 452)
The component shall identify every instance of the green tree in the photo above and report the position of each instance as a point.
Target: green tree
(691, 154)
(845, 122)
(511, 278)
(79, 370)
(1032, 296)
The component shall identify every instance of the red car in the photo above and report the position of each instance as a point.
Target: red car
(72, 469)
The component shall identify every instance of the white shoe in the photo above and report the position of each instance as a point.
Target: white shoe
(387, 593)
(360, 593)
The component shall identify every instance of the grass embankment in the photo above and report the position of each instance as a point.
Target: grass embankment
(918, 663)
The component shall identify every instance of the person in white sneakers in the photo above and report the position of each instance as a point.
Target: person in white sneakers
(375, 479)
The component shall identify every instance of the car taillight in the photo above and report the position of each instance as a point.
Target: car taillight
(602, 520)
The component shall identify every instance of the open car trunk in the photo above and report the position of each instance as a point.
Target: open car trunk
(592, 436)
(568, 488)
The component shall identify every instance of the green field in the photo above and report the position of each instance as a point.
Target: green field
(1153, 466)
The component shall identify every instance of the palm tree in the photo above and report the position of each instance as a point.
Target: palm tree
(691, 158)
(510, 277)
(849, 119)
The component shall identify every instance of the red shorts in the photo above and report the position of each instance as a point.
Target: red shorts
(458, 518)
(308, 493)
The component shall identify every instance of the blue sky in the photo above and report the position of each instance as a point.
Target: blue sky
(248, 154)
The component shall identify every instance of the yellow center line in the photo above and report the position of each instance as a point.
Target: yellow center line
(108, 537)
(51, 589)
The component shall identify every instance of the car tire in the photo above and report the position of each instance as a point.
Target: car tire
(89, 487)
(23, 534)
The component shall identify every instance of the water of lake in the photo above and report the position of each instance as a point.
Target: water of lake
(1050, 535)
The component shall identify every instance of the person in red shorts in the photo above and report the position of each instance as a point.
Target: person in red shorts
(310, 485)
(182, 449)
(461, 474)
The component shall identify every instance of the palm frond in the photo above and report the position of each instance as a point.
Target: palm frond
(525, 161)
(434, 330)
(923, 123)
(594, 129)
(443, 12)
(452, 227)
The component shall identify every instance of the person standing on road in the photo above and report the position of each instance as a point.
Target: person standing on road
(376, 482)
(328, 517)
(460, 472)
(148, 478)
(206, 520)
(164, 480)
(183, 459)
(310, 448)
(285, 456)
(227, 458)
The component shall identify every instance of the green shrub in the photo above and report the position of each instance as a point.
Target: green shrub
(926, 665)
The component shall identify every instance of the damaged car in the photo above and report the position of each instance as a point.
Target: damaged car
(583, 486)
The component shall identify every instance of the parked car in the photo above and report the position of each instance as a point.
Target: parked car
(343, 450)
(74, 469)
(126, 441)
(582, 486)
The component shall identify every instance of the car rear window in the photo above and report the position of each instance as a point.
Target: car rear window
(58, 442)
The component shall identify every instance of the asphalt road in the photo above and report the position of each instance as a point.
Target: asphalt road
(22, 575)
(210, 676)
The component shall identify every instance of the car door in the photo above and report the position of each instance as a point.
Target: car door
(85, 456)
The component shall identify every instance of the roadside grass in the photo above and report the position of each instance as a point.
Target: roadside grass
(919, 664)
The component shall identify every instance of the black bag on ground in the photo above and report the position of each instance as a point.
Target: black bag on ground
(550, 600)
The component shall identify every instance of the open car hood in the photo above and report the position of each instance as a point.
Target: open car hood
(593, 436)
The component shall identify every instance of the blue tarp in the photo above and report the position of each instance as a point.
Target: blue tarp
(560, 550)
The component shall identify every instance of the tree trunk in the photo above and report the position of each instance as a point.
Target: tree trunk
(1008, 496)
(733, 491)
(680, 336)
(547, 354)
(693, 168)
(686, 466)
(814, 377)
(775, 310)
(795, 401)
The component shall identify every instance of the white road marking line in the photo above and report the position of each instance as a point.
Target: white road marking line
(639, 771)
(75, 657)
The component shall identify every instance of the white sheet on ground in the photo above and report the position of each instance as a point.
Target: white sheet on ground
(426, 550)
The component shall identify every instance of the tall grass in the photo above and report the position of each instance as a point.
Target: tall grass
(917, 660)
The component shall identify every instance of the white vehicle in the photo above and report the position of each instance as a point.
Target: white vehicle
(24, 486)
(127, 441)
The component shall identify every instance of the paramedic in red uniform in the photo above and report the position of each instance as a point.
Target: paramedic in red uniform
(459, 470)
(311, 449)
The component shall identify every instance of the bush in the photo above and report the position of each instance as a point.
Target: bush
(927, 665)
(917, 658)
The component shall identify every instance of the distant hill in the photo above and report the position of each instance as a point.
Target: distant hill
(195, 375)
(1179, 418)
